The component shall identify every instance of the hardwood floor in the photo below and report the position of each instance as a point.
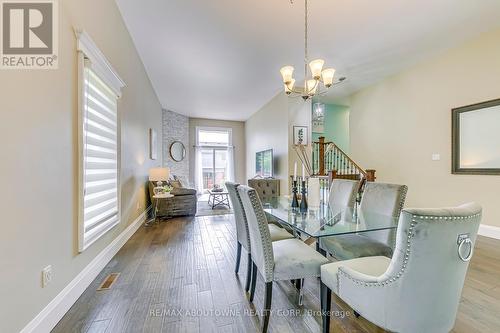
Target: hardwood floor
(187, 264)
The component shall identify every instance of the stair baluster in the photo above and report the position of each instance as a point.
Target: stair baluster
(336, 163)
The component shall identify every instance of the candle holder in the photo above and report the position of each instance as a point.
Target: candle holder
(295, 201)
(303, 201)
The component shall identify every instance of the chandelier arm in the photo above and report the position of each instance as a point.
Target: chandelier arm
(293, 90)
(323, 92)
(338, 82)
(308, 91)
(296, 91)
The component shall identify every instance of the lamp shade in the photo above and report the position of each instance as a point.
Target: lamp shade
(159, 174)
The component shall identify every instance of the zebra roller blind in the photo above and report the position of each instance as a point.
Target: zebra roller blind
(100, 157)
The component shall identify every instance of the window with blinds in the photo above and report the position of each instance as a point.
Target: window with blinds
(99, 87)
(100, 156)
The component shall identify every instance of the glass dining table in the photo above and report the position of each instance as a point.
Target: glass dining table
(326, 220)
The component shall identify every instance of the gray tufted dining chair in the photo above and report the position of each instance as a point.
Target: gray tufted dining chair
(343, 193)
(242, 235)
(379, 199)
(288, 259)
(419, 289)
(267, 189)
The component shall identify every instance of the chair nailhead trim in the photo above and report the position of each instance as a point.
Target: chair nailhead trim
(245, 221)
(392, 279)
(402, 198)
(267, 244)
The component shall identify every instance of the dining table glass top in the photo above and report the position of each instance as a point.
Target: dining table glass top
(328, 220)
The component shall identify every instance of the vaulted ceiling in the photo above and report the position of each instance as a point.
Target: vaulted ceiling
(220, 59)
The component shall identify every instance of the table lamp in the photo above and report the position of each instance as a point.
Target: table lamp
(159, 175)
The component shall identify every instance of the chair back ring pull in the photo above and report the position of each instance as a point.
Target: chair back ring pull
(461, 244)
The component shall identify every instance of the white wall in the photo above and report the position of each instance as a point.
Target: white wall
(265, 129)
(299, 114)
(238, 132)
(272, 127)
(38, 134)
(398, 124)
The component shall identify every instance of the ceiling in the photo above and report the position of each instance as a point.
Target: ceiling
(220, 59)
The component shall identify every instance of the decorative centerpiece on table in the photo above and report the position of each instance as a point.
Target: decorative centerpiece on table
(217, 188)
(304, 154)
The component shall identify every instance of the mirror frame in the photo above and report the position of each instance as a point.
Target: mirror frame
(183, 152)
(455, 140)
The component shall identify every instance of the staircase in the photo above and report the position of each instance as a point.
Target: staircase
(328, 160)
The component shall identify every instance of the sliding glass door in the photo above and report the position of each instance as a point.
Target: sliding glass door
(214, 160)
(215, 167)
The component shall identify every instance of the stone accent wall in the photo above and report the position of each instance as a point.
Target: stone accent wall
(175, 128)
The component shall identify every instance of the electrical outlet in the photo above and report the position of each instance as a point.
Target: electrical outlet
(46, 276)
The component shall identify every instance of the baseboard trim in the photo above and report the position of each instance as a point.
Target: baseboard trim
(489, 231)
(48, 318)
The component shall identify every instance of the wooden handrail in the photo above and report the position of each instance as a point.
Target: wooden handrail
(336, 163)
(349, 159)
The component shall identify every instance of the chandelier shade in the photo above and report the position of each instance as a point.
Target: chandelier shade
(312, 85)
(316, 66)
(289, 86)
(287, 73)
(327, 75)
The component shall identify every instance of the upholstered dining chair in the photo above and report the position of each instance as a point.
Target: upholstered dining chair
(381, 200)
(419, 289)
(242, 235)
(288, 259)
(343, 193)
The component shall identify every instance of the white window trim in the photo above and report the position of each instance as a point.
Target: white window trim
(88, 49)
(209, 128)
(99, 62)
(229, 148)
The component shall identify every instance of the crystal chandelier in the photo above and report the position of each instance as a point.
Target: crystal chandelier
(312, 85)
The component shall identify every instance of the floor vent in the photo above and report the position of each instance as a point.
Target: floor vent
(109, 281)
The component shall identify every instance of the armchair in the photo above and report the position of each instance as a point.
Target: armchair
(419, 289)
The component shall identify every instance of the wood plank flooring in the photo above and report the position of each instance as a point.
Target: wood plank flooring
(178, 276)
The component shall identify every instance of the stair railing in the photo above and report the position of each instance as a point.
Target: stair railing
(330, 160)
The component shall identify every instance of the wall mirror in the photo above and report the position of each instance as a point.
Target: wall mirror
(177, 151)
(476, 139)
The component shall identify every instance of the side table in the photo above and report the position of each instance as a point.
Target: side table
(156, 199)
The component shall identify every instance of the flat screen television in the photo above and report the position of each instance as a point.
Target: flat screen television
(264, 163)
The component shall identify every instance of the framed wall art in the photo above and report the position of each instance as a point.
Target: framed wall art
(300, 135)
(153, 144)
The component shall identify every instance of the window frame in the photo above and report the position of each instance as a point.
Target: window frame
(88, 50)
(229, 130)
